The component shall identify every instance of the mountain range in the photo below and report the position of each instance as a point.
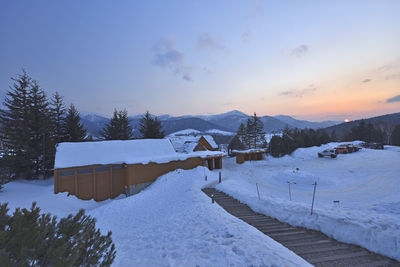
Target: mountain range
(228, 122)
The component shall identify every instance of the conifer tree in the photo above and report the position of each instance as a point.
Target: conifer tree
(150, 127)
(74, 130)
(15, 130)
(58, 113)
(241, 134)
(395, 137)
(118, 128)
(41, 143)
(255, 132)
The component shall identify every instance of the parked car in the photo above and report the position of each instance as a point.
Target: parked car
(327, 153)
(376, 145)
(351, 148)
(341, 149)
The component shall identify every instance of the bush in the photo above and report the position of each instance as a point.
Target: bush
(28, 238)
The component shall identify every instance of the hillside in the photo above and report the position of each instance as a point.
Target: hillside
(388, 120)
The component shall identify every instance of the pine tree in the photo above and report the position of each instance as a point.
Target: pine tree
(255, 135)
(118, 128)
(395, 136)
(40, 126)
(241, 132)
(74, 130)
(15, 130)
(150, 127)
(58, 113)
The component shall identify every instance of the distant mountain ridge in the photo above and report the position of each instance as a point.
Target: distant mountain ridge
(228, 122)
(388, 120)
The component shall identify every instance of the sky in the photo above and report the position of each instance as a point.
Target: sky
(315, 60)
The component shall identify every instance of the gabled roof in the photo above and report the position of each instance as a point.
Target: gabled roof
(187, 143)
(114, 152)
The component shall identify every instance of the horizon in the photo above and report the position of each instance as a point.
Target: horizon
(311, 61)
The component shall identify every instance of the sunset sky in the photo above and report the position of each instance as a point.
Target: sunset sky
(313, 60)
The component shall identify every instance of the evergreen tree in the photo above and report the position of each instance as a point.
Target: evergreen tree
(275, 146)
(118, 128)
(74, 130)
(58, 113)
(235, 144)
(255, 132)
(40, 125)
(28, 238)
(150, 127)
(15, 130)
(395, 137)
(241, 133)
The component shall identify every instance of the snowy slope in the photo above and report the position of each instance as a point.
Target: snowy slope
(365, 183)
(171, 223)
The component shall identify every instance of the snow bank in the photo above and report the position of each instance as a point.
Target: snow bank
(171, 223)
(174, 223)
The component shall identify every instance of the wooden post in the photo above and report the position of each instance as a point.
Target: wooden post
(94, 184)
(220, 177)
(55, 182)
(258, 192)
(111, 181)
(312, 205)
(76, 183)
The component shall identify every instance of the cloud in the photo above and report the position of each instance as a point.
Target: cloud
(300, 51)
(167, 56)
(207, 42)
(393, 76)
(393, 99)
(366, 80)
(299, 93)
(246, 35)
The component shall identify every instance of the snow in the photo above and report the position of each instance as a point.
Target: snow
(171, 223)
(220, 132)
(365, 183)
(185, 132)
(186, 143)
(249, 150)
(114, 152)
(118, 152)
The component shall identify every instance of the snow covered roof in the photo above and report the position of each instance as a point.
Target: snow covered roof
(187, 143)
(252, 150)
(211, 141)
(118, 152)
(114, 152)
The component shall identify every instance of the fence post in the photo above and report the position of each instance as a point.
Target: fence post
(111, 181)
(258, 192)
(220, 177)
(94, 184)
(312, 205)
(76, 183)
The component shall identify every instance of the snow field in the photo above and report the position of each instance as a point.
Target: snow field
(171, 223)
(365, 183)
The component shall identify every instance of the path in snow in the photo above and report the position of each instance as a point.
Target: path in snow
(313, 246)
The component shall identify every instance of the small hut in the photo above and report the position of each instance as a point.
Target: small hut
(106, 169)
(248, 155)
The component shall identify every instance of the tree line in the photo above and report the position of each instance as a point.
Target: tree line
(291, 139)
(32, 124)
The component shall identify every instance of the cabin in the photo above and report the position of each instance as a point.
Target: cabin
(105, 169)
(188, 144)
(249, 155)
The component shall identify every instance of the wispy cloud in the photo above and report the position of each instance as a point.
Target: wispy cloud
(393, 99)
(300, 51)
(167, 56)
(207, 42)
(366, 80)
(299, 93)
(393, 76)
(246, 35)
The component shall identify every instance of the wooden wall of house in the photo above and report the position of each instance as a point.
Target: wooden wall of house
(242, 157)
(102, 182)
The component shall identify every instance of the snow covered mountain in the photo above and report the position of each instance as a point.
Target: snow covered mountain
(228, 122)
